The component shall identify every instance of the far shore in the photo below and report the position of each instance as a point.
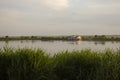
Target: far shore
(67, 38)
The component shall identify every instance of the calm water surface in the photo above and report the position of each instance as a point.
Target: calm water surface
(57, 46)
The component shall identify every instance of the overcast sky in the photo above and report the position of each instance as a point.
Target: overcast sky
(59, 17)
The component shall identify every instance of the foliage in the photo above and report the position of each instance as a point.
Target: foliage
(35, 64)
(44, 38)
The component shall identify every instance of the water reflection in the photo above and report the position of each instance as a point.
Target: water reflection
(69, 42)
(7, 42)
(99, 42)
(21, 41)
(95, 42)
(78, 42)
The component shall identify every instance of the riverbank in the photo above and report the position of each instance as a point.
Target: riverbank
(29, 64)
(46, 38)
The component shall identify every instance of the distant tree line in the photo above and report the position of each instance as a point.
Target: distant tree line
(101, 38)
(87, 37)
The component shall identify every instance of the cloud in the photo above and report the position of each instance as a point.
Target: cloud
(52, 4)
(64, 15)
(57, 4)
(98, 10)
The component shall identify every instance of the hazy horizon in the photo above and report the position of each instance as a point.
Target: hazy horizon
(59, 17)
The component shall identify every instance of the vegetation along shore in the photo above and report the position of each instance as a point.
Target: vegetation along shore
(35, 64)
(70, 37)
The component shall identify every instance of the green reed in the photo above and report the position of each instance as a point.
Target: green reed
(35, 64)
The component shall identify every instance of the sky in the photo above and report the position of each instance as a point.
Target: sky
(59, 17)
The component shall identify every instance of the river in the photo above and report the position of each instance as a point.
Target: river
(53, 47)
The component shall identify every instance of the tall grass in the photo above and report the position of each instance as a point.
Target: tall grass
(29, 64)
